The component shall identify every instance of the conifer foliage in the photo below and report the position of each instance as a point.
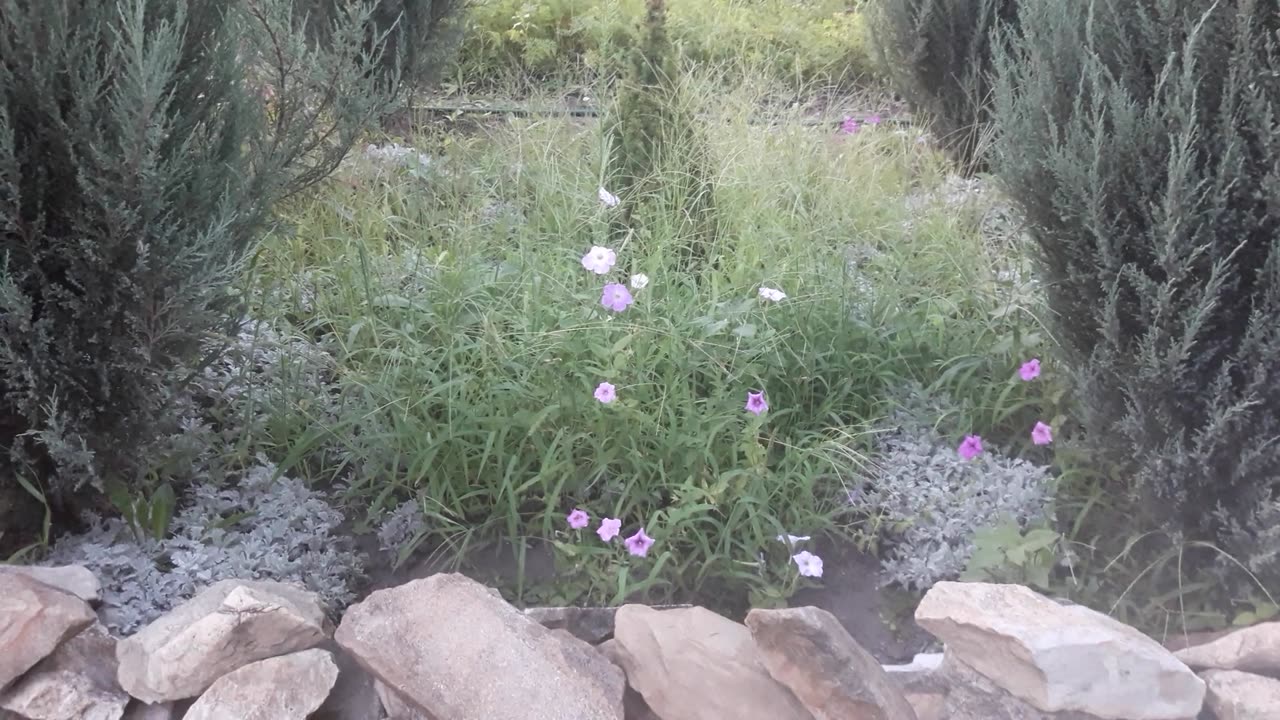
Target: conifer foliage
(141, 150)
(1140, 138)
(938, 55)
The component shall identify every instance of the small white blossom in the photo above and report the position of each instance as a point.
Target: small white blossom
(639, 281)
(772, 294)
(599, 260)
(793, 540)
(810, 565)
(608, 198)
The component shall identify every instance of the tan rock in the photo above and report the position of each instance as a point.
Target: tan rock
(693, 664)
(34, 620)
(1235, 695)
(1059, 658)
(396, 707)
(354, 696)
(76, 682)
(286, 687)
(807, 650)
(971, 696)
(1254, 649)
(451, 648)
(74, 579)
(228, 625)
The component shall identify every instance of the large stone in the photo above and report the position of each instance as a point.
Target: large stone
(396, 707)
(34, 620)
(230, 624)
(74, 579)
(76, 682)
(593, 624)
(354, 695)
(452, 649)
(1255, 649)
(1235, 695)
(923, 684)
(693, 664)
(1059, 658)
(807, 650)
(286, 687)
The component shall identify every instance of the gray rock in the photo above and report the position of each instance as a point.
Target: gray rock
(807, 650)
(287, 687)
(76, 682)
(34, 620)
(1254, 649)
(74, 579)
(1235, 695)
(696, 665)
(452, 649)
(228, 625)
(1059, 658)
(354, 695)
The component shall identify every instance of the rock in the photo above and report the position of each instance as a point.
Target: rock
(286, 687)
(230, 624)
(74, 579)
(396, 707)
(807, 650)
(593, 625)
(1181, 641)
(34, 620)
(633, 703)
(354, 695)
(923, 684)
(139, 710)
(971, 696)
(454, 650)
(693, 664)
(1059, 658)
(76, 682)
(1255, 649)
(589, 624)
(1235, 695)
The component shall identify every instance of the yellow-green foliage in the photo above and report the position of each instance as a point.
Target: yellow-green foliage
(581, 39)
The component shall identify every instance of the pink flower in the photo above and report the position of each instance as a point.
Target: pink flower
(609, 529)
(810, 565)
(874, 119)
(756, 403)
(971, 447)
(849, 126)
(1041, 434)
(578, 519)
(639, 543)
(1030, 370)
(616, 297)
(606, 393)
(599, 260)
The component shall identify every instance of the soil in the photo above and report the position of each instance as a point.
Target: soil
(881, 621)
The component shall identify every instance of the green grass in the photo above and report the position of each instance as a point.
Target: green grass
(470, 341)
(525, 46)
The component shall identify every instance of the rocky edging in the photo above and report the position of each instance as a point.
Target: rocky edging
(448, 648)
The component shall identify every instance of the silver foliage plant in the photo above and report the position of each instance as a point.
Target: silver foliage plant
(932, 502)
(263, 528)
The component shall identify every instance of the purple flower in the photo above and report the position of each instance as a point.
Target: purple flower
(606, 393)
(971, 447)
(849, 126)
(639, 543)
(616, 297)
(810, 565)
(874, 119)
(1041, 434)
(1030, 370)
(756, 403)
(578, 519)
(609, 529)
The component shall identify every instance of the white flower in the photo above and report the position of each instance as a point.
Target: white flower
(639, 281)
(792, 540)
(772, 294)
(599, 260)
(608, 198)
(810, 565)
